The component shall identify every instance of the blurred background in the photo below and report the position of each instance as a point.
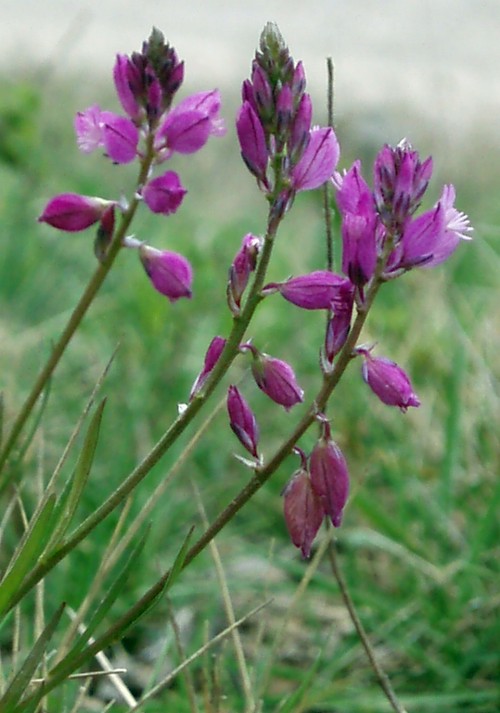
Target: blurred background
(419, 544)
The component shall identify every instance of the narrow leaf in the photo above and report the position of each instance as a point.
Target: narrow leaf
(28, 551)
(72, 493)
(20, 682)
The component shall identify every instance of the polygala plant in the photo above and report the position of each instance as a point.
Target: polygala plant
(384, 234)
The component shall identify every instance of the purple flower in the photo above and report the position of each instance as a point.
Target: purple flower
(359, 226)
(243, 265)
(252, 141)
(321, 289)
(432, 237)
(119, 136)
(88, 129)
(164, 194)
(303, 511)
(170, 273)
(73, 212)
(400, 181)
(275, 378)
(242, 420)
(301, 129)
(338, 328)
(127, 78)
(318, 161)
(214, 351)
(388, 381)
(329, 476)
(188, 126)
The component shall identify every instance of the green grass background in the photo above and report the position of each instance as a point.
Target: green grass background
(420, 540)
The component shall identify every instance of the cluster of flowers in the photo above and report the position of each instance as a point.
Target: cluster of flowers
(151, 132)
(381, 239)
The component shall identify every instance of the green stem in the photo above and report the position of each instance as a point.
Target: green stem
(229, 353)
(76, 317)
(380, 674)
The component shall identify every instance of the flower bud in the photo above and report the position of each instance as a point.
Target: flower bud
(329, 476)
(164, 194)
(275, 378)
(388, 381)
(170, 273)
(214, 351)
(242, 420)
(252, 141)
(303, 511)
(127, 77)
(243, 265)
(321, 289)
(73, 212)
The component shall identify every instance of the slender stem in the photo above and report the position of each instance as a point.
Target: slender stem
(228, 355)
(382, 677)
(78, 313)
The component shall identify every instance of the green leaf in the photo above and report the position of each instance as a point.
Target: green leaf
(28, 551)
(20, 682)
(72, 493)
(113, 591)
(65, 668)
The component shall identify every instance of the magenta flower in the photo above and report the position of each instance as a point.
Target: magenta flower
(127, 78)
(243, 265)
(170, 273)
(214, 351)
(321, 289)
(242, 420)
(318, 161)
(338, 328)
(73, 212)
(432, 237)
(252, 141)
(303, 511)
(120, 137)
(388, 381)
(400, 181)
(188, 126)
(275, 378)
(164, 194)
(88, 129)
(329, 476)
(359, 226)
(301, 129)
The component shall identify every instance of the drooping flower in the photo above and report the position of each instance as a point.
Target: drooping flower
(242, 266)
(214, 351)
(388, 381)
(242, 420)
(329, 476)
(275, 378)
(73, 212)
(303, 510)
(170, 273)
(164, 194)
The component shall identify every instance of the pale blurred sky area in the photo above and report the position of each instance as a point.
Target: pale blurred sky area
(433, 59)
